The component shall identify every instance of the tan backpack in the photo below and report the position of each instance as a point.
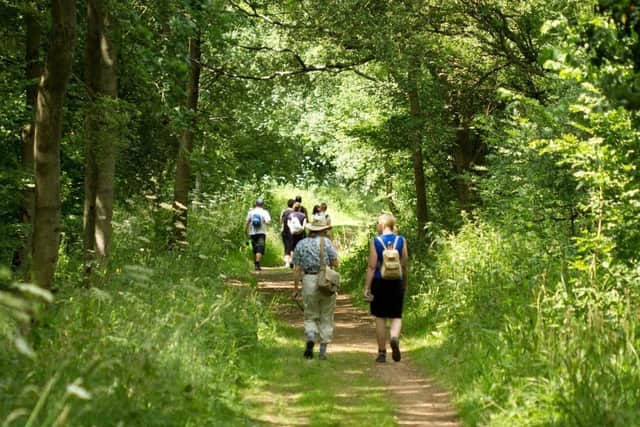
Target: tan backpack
(390, 267)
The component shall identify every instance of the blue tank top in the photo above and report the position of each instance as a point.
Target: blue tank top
(388, 239)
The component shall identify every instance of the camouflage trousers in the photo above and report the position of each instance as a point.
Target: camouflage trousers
(319, 309)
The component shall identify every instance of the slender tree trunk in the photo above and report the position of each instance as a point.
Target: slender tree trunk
(47, 136)
(102, 79)
(417, 127)
(183, 166)
(33, 71)
(468, 151)
(389, 189)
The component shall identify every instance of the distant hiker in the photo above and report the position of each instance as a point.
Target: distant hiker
(319, 307)
(386, 283)
(316, 212)
(302, 208)
(256, 225)
(323, 210)
(296, 221)
(285, 233)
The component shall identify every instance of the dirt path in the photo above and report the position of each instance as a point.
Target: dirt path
(418, 400)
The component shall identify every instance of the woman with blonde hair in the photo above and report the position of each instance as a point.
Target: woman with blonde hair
(386, 294)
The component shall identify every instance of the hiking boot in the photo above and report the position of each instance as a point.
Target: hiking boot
(308, 350)
(257, 266)
(382, 357)
(395, 349)
(323, 351)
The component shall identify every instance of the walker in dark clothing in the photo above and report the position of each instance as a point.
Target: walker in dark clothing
(388, 295)
(388, 298)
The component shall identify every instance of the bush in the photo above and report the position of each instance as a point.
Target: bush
(527, 340)
(159, 342)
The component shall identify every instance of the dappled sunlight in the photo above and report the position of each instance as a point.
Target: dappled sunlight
(417, 401)
(236, 283)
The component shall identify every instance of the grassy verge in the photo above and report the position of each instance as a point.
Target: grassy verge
(519, 340)
(157, 344)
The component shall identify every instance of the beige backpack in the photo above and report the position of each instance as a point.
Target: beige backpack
(390, 267)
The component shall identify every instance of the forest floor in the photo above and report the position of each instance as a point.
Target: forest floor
(416, 400)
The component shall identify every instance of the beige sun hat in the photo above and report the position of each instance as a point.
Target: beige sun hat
(318, 224)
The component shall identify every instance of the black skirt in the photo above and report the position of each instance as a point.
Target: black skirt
(388, 297)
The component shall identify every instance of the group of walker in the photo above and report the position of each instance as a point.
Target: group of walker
(303, 251)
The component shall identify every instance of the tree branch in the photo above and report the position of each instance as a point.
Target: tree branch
(251, 11)
(332, 68)
(295, 54)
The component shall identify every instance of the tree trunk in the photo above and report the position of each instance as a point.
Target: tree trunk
(33, 71)
(390, 200)
(468, 152)
(183, 166)
(388, 183)
(102, 79)
(47, 136)
(417, 127)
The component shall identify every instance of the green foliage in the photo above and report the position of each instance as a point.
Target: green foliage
(166, 336)
(13, 117)
(534, 300)
(529, 306)
(20, 304)
(521, 346)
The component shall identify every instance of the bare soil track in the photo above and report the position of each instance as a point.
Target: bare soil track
(418, 400)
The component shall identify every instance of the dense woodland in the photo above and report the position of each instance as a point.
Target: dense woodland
(134, 134)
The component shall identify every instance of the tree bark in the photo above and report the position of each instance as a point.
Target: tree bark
(183, 165)
(468, 151)
(102, 79)
(47, 136)
(417, 129)
(390, 199)
(33, 70)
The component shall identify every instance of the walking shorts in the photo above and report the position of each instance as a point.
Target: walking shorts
(258, 243)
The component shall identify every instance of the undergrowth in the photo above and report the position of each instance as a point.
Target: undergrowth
(522, 336)
(159, 342)
(175, 336)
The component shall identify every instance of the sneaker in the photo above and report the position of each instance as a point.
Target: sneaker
(308, 350)
(322, 356)
(395, 349)
(382, 357)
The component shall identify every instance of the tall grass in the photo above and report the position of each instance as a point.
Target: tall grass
(159, 342)
(522, 337)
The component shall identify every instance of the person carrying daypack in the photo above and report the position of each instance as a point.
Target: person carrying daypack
(386, 284)
(310, 256)
(256, 226)
(302, 208)
(390, 268)
(296, 221)
(295, 225)
(323, 210)
(285, 233)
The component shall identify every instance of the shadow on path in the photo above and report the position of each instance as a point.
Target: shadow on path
(419, 401)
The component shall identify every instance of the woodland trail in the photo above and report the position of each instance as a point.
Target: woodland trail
(418, 401)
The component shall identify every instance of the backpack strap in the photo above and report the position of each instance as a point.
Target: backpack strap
(322, 263)
(379, 239)
(395, 242)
